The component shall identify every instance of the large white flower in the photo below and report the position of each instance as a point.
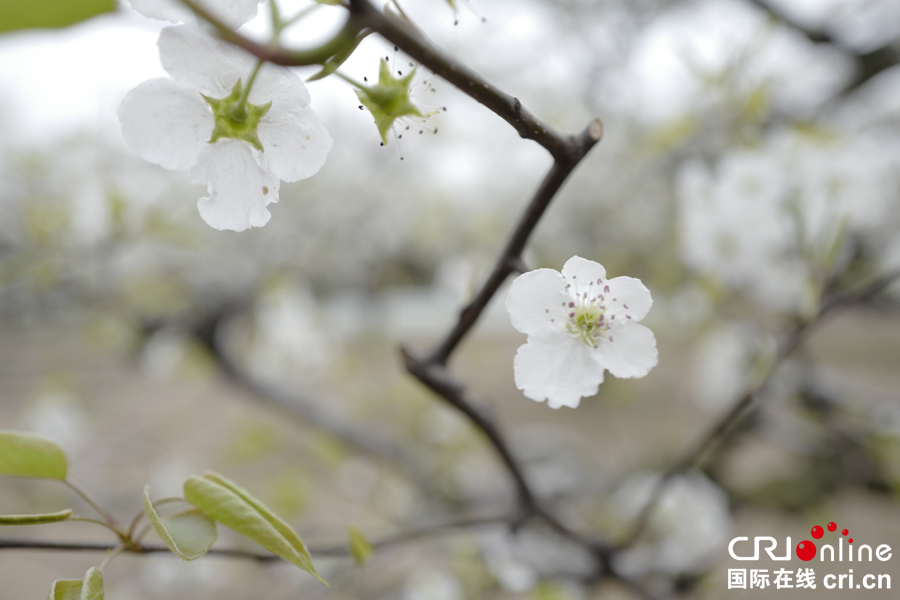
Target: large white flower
(196, 121)
(579, 323)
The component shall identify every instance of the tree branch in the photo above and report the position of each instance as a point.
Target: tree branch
(868, 64)
(746, 403)
(338, 550)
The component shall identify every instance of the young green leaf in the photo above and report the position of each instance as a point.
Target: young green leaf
(224, 501)
(92, 588)
(189, 534)
(89, 588)
(333, 64)
(35, 519)
(30, 455)
(50, 13)
(66, 589)
(360, 547)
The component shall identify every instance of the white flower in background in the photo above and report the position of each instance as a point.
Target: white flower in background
(735, 229)
(232, 12)
(774, 219)
(687, 531)
(721, 364)
(432, 584)
(579, 323)
(202, 120)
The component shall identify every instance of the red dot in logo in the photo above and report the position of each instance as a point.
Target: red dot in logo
(850, 541)
(845, 532)
(806, 550)
(818, 532)
(832, 526)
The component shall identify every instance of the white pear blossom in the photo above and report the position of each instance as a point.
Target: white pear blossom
(579, 323)
(231, 12)
(203, 120)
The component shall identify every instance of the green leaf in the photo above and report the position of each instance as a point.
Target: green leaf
(23, 14)
(30, 455)
(224, 501)
(92, 588)
(334, 63)
(360, 547)
(89, 588)
(189, 534)
(66, 589)
(35, 519)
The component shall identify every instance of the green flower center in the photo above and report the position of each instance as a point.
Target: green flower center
(586, 321)
(236, 118)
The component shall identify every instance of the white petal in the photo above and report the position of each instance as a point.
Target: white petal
(296, 148)
(631, 353)
(557, 367)
(166, 123)
(233, 12)
(627, 297)
(582, 272)
(239, 189)
(280, 86)
(536, 299)
(193, 57)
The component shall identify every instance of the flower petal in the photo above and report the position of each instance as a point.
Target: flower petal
(232, 12)
(558, 367)
(296, 148)
(537, 299)
(283, 88)
(193, 57)
(627, 297)
(628, 350)
(239, 189)
(582, 272)
(166, 123)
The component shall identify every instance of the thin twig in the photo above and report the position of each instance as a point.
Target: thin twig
(95, 505)
(337, 550)
(726, 423)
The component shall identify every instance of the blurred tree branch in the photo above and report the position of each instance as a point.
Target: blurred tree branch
(723, 427)
(868, 64)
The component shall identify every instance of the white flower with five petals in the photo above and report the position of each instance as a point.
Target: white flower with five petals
(203, 120)
(579, 324)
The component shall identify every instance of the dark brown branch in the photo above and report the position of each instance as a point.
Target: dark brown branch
(338, 550)
(431, 370)
(746, 403)
(277, 54)
(511, 257)
(507, 107)
(365, 439)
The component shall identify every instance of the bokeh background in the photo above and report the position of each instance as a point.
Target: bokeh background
(750, 165)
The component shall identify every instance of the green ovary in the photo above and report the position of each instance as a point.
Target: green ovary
(235, 118)
(586, 322)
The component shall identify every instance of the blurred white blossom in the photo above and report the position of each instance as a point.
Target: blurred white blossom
(579, 323)
(687, 531)
(775, 219)
(432, 584)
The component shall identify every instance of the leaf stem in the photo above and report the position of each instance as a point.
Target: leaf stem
(93, 503)
(96, 522)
